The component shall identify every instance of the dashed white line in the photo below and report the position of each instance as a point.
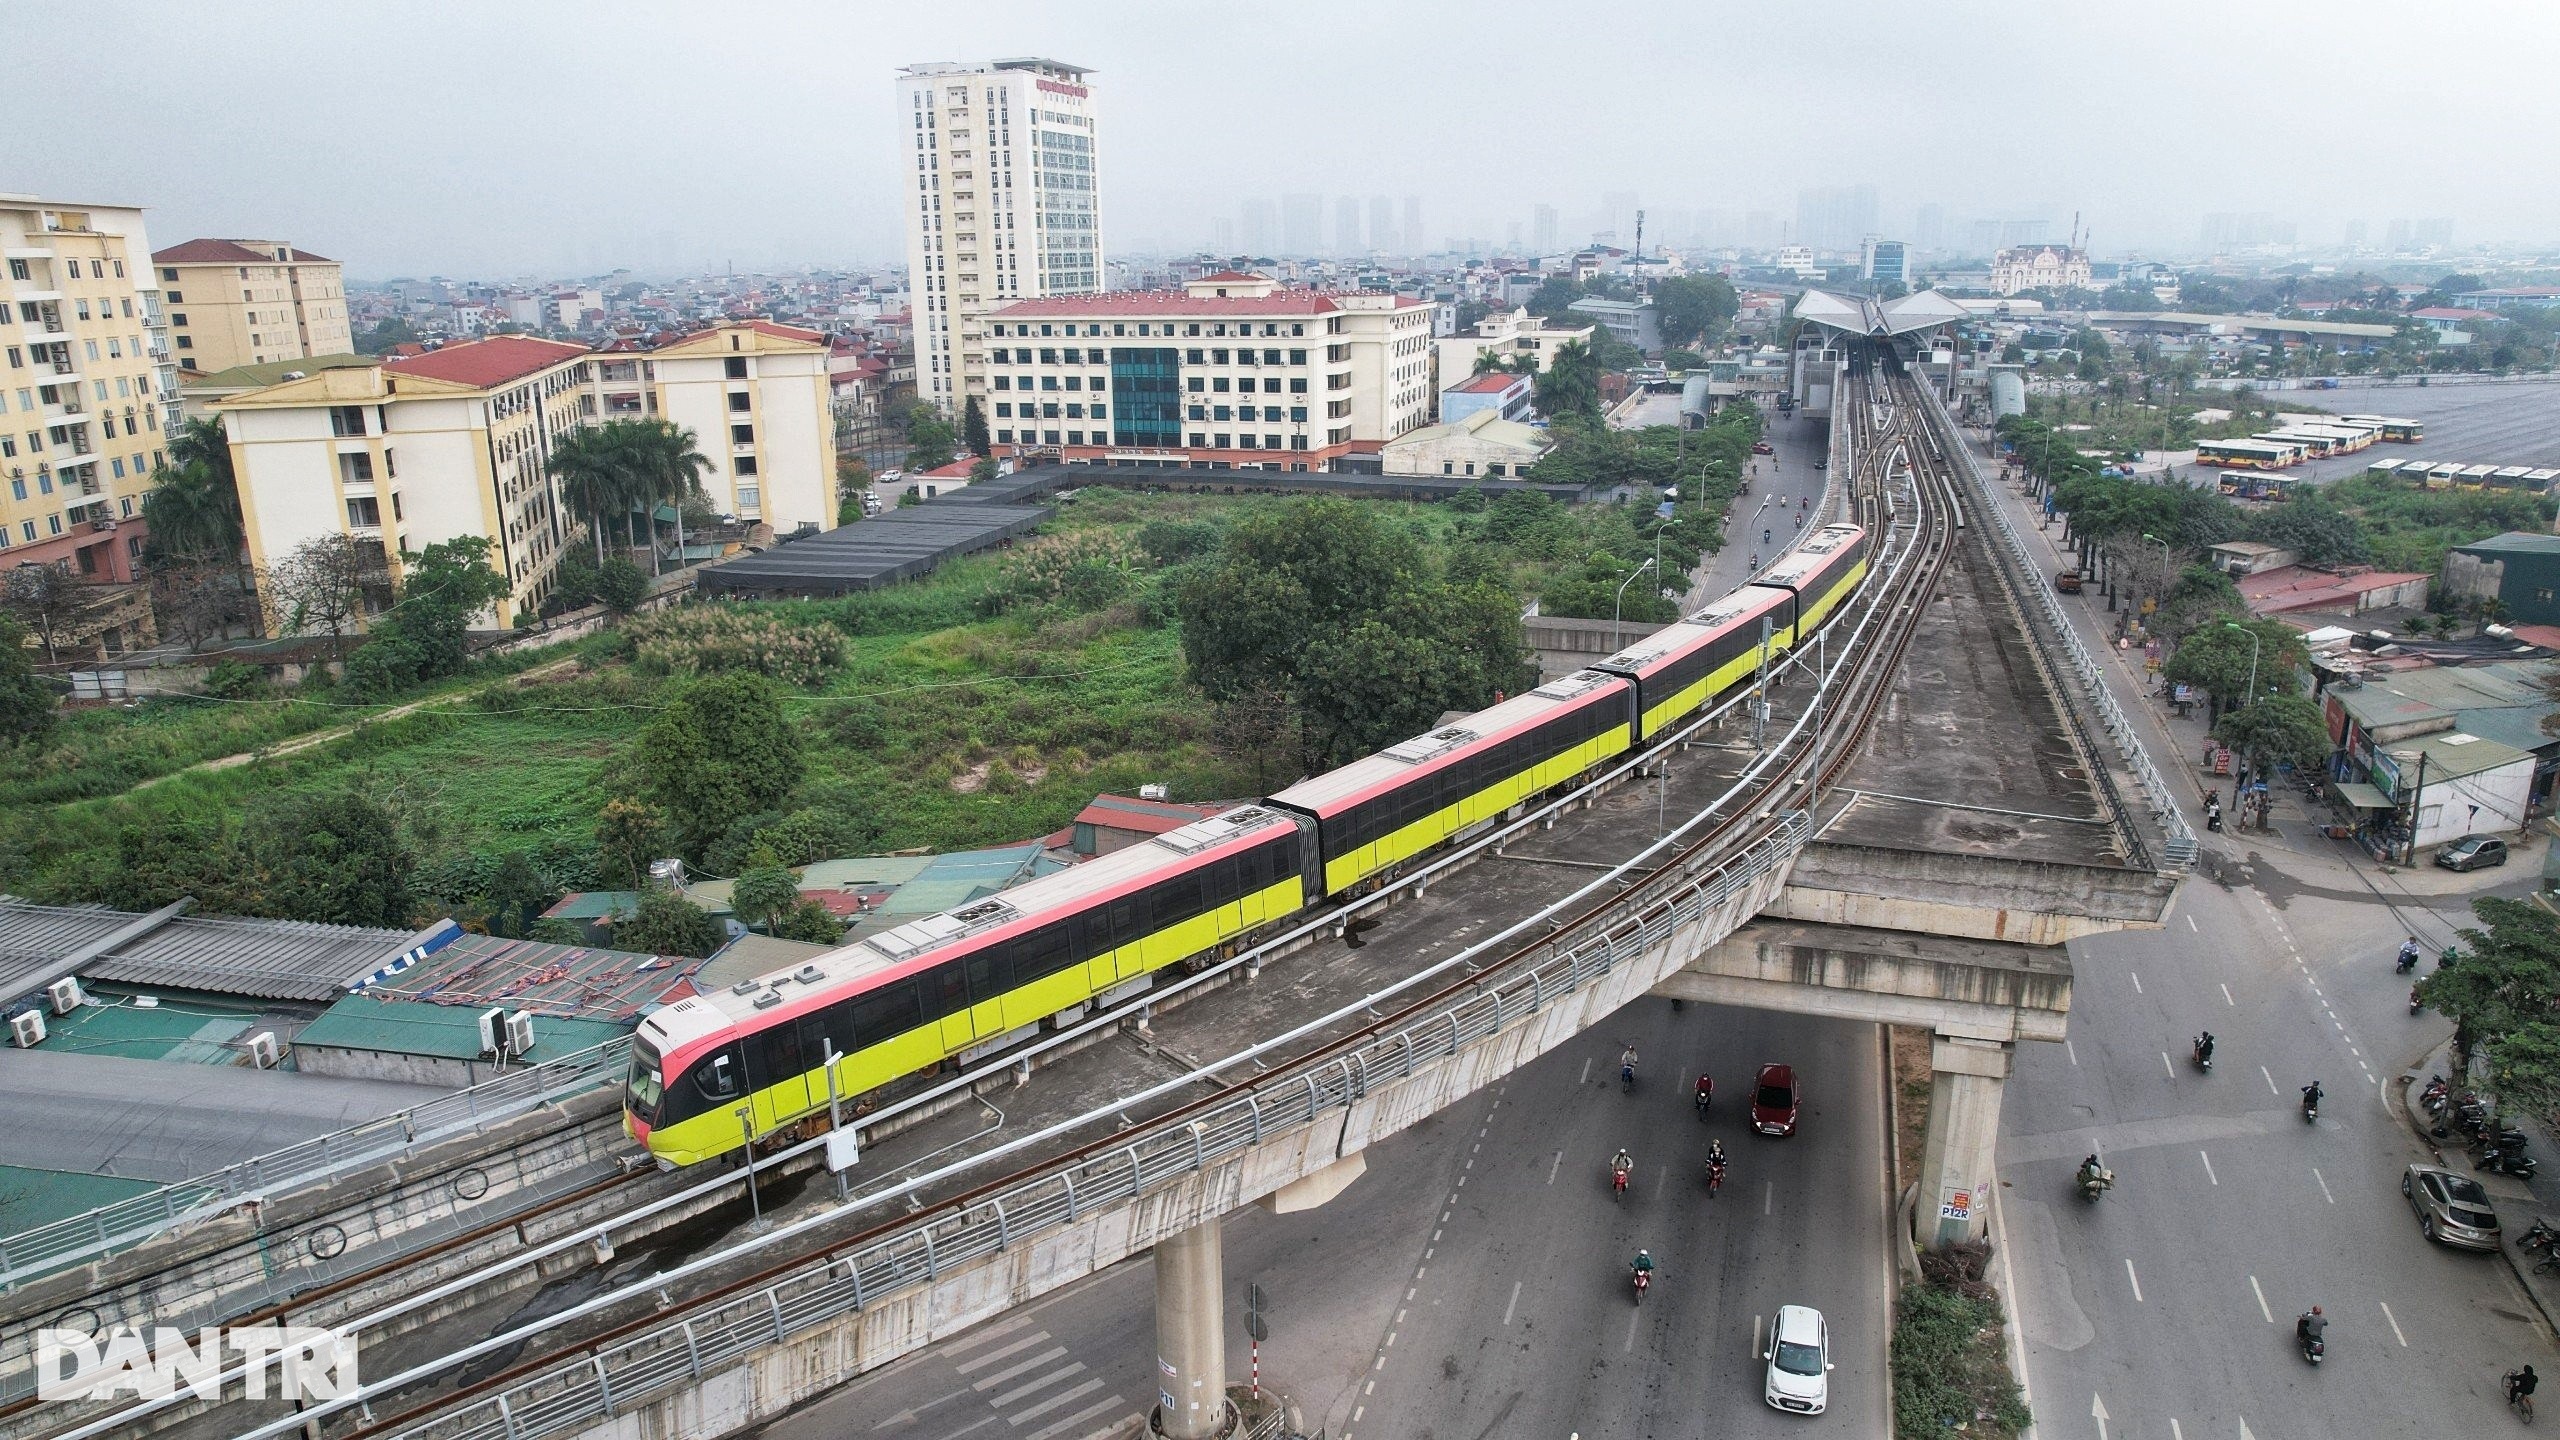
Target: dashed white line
(2191, 923)
(2208, 1167)
(2136, 1279)
(2137, 980)
(2174, 1432)
(2226, 996)
(2395, 1324)
(1769, 1198)
(2262, 1300)
(2324, 1186)
(1553, 1166)
(1509, 1310)
(2165, 1065)
(2067, 1050)
(1586, 1072)
(2271, 1081)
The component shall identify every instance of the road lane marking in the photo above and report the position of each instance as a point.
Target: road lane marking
(1049, 1356)
(1086, 1416)
(1769, 1197)
(1064, 1397)
(1755, 1337)
(2395, 1324)
(2174, 1432)
(1409, 1293)
(2067, 1050)
(1026, 1390)
(2271, 1082)
(993, 1356)
(1586, 1071)
(2262, 1300)
(2136, 1279)
(2208, 1166)
(1554, 1166)
(2137, 980)
(2226, 996)
(2324, 1186)
(1514, 1306)
(1634, 1318)
(1400, 1317)
(2165, 1065)
(2191, 924)
(991, 1333)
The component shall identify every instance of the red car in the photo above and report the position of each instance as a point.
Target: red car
(1761, 447)
(1774, 1100)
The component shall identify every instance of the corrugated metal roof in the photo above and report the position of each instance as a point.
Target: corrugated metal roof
(452, 1032)
(262, 959)
(586, 982)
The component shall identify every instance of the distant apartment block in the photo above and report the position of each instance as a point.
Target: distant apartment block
(246, 302)
(407, 453)
(758, 399)
(2039, 267)
(1513, 336)
(1006, 204)
(1888, 260)
(1631, 321)
(1505, 393)
(88, 389)
(1232, 368)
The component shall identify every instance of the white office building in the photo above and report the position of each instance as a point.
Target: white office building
(1005, 204)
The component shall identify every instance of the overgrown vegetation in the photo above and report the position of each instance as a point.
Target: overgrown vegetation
(1950, 1359)
(2502, 992)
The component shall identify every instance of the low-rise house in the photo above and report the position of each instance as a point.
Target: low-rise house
(1484, 444)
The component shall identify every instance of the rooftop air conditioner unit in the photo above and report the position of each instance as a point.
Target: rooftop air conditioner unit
(1155, 792)
(293, 375)
(520, 1033)
(493, 1033)
(26, 1029)
(669, 873)
(262, 1050)
(63, 995)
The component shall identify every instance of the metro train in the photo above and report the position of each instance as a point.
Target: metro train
(718, 1071)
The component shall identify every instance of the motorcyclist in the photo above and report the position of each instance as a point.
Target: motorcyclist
(2311, 1096)
(1764, 538)
(1715, 1159)
(2520, 1383)
(1622, 1163)
(1627, 1065)
(1706, 1089)
(2204, 1047)
(1643, 1263)
(2310, 1324)
(1755, 559)
(2408, 955)
(2092, 1173)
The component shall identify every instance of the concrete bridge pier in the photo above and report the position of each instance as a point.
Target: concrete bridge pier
(1956, 1166)
(1191, 1336)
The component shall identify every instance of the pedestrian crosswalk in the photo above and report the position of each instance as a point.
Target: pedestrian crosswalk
(1036, 1389)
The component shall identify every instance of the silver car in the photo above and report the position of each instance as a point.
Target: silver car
(2452, 1208)
(1799, 1357)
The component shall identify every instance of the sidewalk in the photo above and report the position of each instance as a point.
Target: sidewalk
(2518, 1202)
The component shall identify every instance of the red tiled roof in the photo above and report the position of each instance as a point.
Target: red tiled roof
(1231, 276)
(487, 363)
(1492, 382)
(225, 252)
(957, 470)
(1146, 817)
(1169, 302)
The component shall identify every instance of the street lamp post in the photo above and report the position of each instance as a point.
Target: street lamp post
(2253, 656)
(2164, 564)
(1618, 609)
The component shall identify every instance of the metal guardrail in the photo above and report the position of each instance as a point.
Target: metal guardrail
(601, 1385)
(135, 1219)
(2178, 848)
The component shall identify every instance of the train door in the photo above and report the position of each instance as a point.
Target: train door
(946, 1002)
(782, 1082)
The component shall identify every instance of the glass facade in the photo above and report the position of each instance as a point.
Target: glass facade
(1146, 397)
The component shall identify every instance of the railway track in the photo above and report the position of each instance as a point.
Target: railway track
(1900, 487)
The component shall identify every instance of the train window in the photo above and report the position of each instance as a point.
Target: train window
(885, 1013)
(781, 1055)
(990, 975)
(1124, 922)
(946, 991)
(814, 1039)
(1044, 952)
(716, 1078)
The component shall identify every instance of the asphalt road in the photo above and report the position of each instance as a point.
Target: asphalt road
(2169, 1303)
(1473, 1283)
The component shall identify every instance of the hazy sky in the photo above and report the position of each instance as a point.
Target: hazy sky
(471, 138)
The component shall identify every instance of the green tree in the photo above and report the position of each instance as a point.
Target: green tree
(811, 923)
(2217, 660)
(973, 429)
(336, 857)
(385, 334)
(27, 708)
(1570, 385)
(426, 636)
(629, 834)
(556, 930)
(2277, 729)
(193, 505)
(2312, 526)
(1555, 296)
(518, 893)
(46, 599)
(597, 477)
(666, 924)
(930, 443)
(722, 750)
(764, 894)
(573, 584)
(621, 586)
(1693, 310)
(2502, 993)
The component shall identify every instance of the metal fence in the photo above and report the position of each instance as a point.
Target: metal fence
(2178, 848)
(137, 1218)
(689, 1350)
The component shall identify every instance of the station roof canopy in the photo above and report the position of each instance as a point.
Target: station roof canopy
(1879, 319)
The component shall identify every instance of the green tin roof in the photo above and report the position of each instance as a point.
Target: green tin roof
(406, 1027)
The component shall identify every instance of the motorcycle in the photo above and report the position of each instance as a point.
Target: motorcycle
(1715, 1178)
(2415, 1004)
(2498, 1160)
(2314, 1348)
(2432, 1099)
(2408, 961)
(2310, 1110)
(2093, 1185)
(1706, 1097)
(2203, 1057)
(1617, 1183)
(1644, 1281)
(2539, 1237)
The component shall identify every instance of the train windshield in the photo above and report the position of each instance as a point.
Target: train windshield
(645, 1085)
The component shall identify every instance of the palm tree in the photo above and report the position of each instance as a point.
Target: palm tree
(589, 465)
(669, 468)
(193, 515)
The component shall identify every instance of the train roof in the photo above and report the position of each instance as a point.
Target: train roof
(841, 971)
(1672, 642)
(1817, 551)
(1328, 793)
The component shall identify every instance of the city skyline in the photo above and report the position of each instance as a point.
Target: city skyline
(2221, 151)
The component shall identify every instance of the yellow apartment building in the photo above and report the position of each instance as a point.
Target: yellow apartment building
(245, 302)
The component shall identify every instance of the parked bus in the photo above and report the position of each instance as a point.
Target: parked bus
(2347, 438)
(2539, 481)
(2314, 447)
(2406, 432)
(2254, 485)
(2474, 476)
(2387, 467)
(2250, 454)
(2509, 477)
(2440, 476)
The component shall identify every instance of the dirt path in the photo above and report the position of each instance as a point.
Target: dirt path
(318, 738)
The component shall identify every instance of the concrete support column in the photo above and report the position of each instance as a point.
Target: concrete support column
(1956, 1172)
(1191, 1335)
